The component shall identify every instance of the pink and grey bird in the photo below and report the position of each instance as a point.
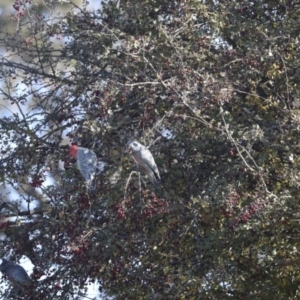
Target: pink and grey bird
(145, 160)
(86, 161)
(15, 273)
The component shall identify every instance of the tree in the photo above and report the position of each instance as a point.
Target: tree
(220, 77)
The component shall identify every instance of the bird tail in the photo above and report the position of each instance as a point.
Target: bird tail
(154, 180)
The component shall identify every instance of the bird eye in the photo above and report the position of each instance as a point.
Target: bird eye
(135, 144)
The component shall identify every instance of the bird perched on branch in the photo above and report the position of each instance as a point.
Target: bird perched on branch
(15, 273)
(86, 161)
(145, 160)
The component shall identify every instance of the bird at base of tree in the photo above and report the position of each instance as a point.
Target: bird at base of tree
(15, 273)
(144, 159)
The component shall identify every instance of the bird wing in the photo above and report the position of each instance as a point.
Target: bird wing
(148, 159)
(87, 163)
(19, 275)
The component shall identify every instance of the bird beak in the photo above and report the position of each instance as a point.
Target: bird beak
(128, 150)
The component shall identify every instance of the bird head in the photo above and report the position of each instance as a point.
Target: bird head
(3, 264)
(133, 146)
(73, 150)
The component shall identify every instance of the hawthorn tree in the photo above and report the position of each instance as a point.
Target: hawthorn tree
(212, 87)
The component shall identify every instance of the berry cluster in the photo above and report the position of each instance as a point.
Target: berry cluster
(20, 6)
(37, 180)
(155, 206)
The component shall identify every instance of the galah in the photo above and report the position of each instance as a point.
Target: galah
(86, 161)
(15, 273)
(145, 160)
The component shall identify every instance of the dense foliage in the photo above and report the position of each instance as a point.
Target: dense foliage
(221, 78)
